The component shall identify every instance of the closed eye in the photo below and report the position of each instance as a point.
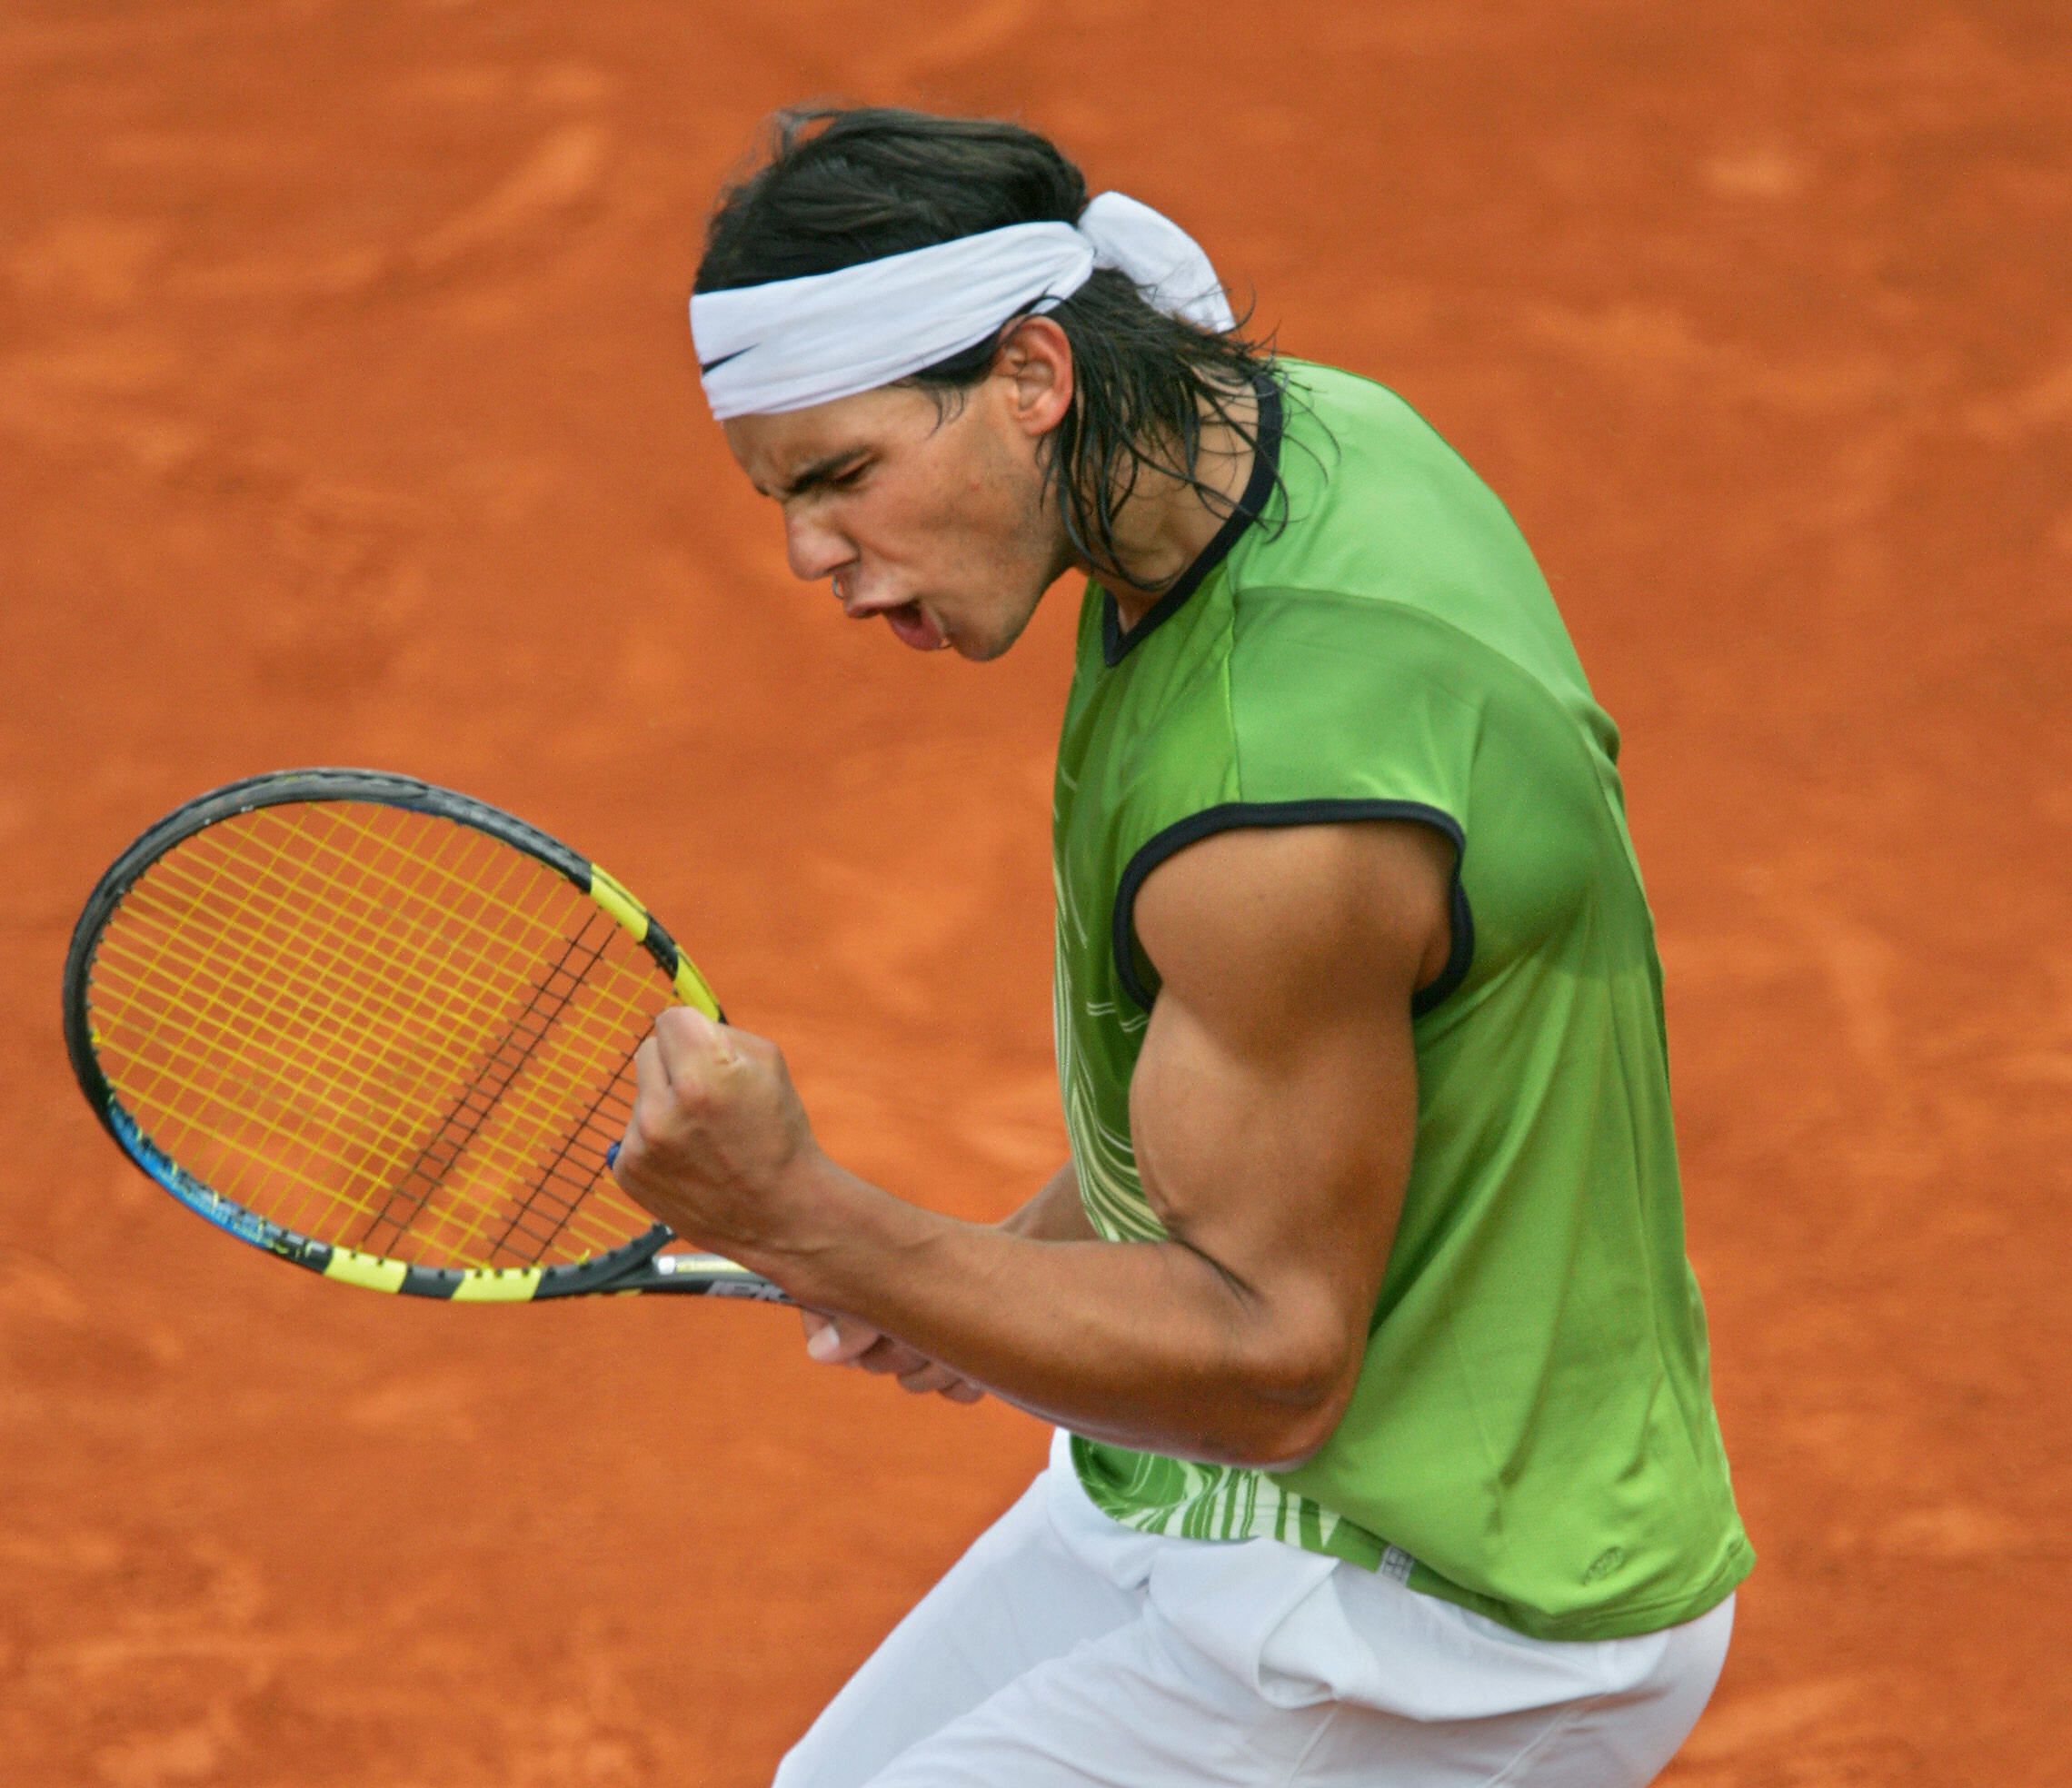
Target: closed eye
(836, 471)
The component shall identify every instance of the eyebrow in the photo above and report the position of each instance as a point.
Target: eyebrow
(817, 471)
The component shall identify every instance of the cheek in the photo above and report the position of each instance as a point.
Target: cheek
(934, 525)
(991, 505)
(959, 515)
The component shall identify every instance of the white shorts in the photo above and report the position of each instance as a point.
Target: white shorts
(1064, 1649)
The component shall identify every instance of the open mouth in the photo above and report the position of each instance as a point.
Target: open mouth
(915, 627)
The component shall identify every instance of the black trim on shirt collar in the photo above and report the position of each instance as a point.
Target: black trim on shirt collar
(1115, 644)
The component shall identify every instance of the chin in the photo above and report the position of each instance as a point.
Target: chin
(983, 649)
(1000, 637)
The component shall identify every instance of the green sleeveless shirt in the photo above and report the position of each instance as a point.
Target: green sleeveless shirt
(1532, 1433)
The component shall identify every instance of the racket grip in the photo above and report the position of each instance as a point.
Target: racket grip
(612, 1157)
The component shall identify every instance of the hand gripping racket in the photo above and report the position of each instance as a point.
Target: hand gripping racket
(386, 1032)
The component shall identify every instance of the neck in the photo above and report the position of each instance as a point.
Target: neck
(1165, 524)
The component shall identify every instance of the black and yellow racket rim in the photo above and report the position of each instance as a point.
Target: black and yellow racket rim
(378, 1028)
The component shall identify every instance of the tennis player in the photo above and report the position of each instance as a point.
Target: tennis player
(1386, 1451)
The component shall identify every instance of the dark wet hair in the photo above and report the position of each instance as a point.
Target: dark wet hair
(837, 186)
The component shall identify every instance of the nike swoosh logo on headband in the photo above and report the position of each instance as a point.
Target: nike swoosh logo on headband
(705, 366)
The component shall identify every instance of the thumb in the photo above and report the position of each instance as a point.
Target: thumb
(837, 1340)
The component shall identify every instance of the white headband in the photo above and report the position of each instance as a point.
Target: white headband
(791, 342)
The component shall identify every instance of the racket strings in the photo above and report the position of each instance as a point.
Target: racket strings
(251, 1008)
(442, 1151)
(553, 1199)
(507, 1165)
(317, 1016)
(310, 999)
(299, 988)
(574, 1174)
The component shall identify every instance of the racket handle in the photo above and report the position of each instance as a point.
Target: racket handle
(611, 1158)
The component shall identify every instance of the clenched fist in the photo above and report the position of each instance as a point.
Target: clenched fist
(718, 1145)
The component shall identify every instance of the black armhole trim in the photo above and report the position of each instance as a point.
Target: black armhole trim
(1115, 644)
(1231, 815)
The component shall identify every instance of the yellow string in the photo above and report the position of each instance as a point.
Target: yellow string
(302, 985)
(348, 1138)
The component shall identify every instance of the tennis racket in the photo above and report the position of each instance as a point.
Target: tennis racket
(386, 1032)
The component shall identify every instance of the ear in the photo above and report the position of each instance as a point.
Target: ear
(1035, 358)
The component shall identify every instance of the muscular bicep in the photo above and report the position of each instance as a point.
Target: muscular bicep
(1274, 1104)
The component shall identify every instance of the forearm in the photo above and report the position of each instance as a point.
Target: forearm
(1147, 1345)
(1273, 1115)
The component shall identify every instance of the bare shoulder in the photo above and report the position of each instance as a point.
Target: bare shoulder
(1357, 908)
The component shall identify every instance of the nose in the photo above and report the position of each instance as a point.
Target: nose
(814, 550)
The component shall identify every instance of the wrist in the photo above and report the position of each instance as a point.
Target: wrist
(827, 1224)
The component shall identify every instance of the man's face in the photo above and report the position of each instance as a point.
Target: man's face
(932, 518)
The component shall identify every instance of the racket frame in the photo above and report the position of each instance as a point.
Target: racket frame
(644, 1264)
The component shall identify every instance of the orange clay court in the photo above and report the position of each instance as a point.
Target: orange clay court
(348, 415)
